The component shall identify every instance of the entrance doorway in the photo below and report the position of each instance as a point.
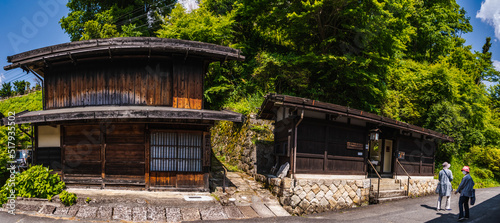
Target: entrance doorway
(387, 156)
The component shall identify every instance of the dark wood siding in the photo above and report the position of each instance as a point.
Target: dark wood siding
(322, 148)
(82, 150)
(419, 156)
(138, 82)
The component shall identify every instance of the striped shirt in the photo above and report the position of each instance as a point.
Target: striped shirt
(465, 187)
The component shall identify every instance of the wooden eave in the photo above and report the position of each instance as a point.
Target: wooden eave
(142, 113)
(129, 47)
(272, 101)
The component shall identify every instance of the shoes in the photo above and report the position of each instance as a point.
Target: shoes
(448, 209)
(461, 219)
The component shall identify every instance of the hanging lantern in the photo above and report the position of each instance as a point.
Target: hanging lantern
(374, 134)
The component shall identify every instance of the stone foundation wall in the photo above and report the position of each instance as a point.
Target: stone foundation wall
(307, 196)
(420, 187)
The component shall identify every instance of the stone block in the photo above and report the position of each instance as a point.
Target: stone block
(352, 194)
(156, 214)
(27, 207)
(232, 212)
(298, 211)
(356, 200)
(87, 212)
(191, 214)
(212, 213)
(306, 188)
(329, 195)
(315, 189)
(337, 195)
(341, 189)
(320, 195)
(62, 211)
(47, 209)
(122, 213)
(310, 195)
(345, 194)
(173, 214)
(302, 183)
(343, 182)
(324, 188)
(359, 183)
(341, 202)
(105, 213)
(324, 202)
(333, 203)
(333, 188)
(314, 202)
(73, 210)
(337, 183)
(295, 201)
(287, 182)
(297, 188)
(348, 188)
(354, 187)
(302, 195)
(139, 214)
(304, 204)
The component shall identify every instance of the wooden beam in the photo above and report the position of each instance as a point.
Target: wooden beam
(147, 156)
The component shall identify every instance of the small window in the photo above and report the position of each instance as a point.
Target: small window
(176, 152)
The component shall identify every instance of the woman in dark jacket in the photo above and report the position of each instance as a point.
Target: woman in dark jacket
(465, 190)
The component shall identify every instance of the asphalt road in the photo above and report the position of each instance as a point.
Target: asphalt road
(487, 209)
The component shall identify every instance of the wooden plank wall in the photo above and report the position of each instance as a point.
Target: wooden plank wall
(154, 83)
(322, 148)
(82, 150)
(125, 150)
(188, 84)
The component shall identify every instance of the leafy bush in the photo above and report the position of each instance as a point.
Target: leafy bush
(68, 199)
(482, 173)
(34, 182)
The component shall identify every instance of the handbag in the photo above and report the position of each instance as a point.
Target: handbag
(473, 198)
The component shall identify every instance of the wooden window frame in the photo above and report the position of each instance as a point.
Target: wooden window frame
(177, 149)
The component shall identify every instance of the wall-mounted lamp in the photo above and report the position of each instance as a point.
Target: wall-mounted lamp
(374, 134)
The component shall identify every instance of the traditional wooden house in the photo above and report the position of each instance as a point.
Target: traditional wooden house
(125, 111)
(328, 139)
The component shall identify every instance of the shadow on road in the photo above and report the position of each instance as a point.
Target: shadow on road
(428, 207)
(481, 212)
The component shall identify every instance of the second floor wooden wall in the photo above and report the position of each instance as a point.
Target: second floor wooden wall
(161, 82)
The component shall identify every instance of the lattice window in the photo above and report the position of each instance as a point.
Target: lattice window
(176, 151)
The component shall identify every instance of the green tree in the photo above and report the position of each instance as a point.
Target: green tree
(20, 87)
(6, 90)
(91, 19)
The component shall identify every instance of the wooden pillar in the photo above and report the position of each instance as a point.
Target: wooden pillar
(421, 154)
(147, 156)
(35, 147)
(325, 158)
(102, 140)
(63, 150)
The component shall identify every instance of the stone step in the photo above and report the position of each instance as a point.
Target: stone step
(391, 193)
(388, 199)
(387, 187)
(278, 210)
(262, 210)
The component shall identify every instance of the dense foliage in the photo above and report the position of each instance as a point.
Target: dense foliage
(30, 102)
(68, 199)
(404, 59)
(92, 19)
(37, 182)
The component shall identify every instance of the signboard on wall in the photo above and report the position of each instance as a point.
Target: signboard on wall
(355, 145)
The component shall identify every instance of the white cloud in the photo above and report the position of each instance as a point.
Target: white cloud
(490, 13)
(496, 64)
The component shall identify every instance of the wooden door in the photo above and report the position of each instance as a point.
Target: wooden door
(176, 159)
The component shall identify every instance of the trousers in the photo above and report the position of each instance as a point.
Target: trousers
(448, 202)
(463, 203)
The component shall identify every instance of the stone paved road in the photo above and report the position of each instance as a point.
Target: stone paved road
(487, 209)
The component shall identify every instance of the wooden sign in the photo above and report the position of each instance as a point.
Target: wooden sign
(355, 145)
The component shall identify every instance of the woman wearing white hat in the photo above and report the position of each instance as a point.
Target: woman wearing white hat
(444, 187)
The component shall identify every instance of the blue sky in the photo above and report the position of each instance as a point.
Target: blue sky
(26, 27)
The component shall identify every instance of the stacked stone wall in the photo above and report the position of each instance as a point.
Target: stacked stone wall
(307, 196)
(420, 187)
